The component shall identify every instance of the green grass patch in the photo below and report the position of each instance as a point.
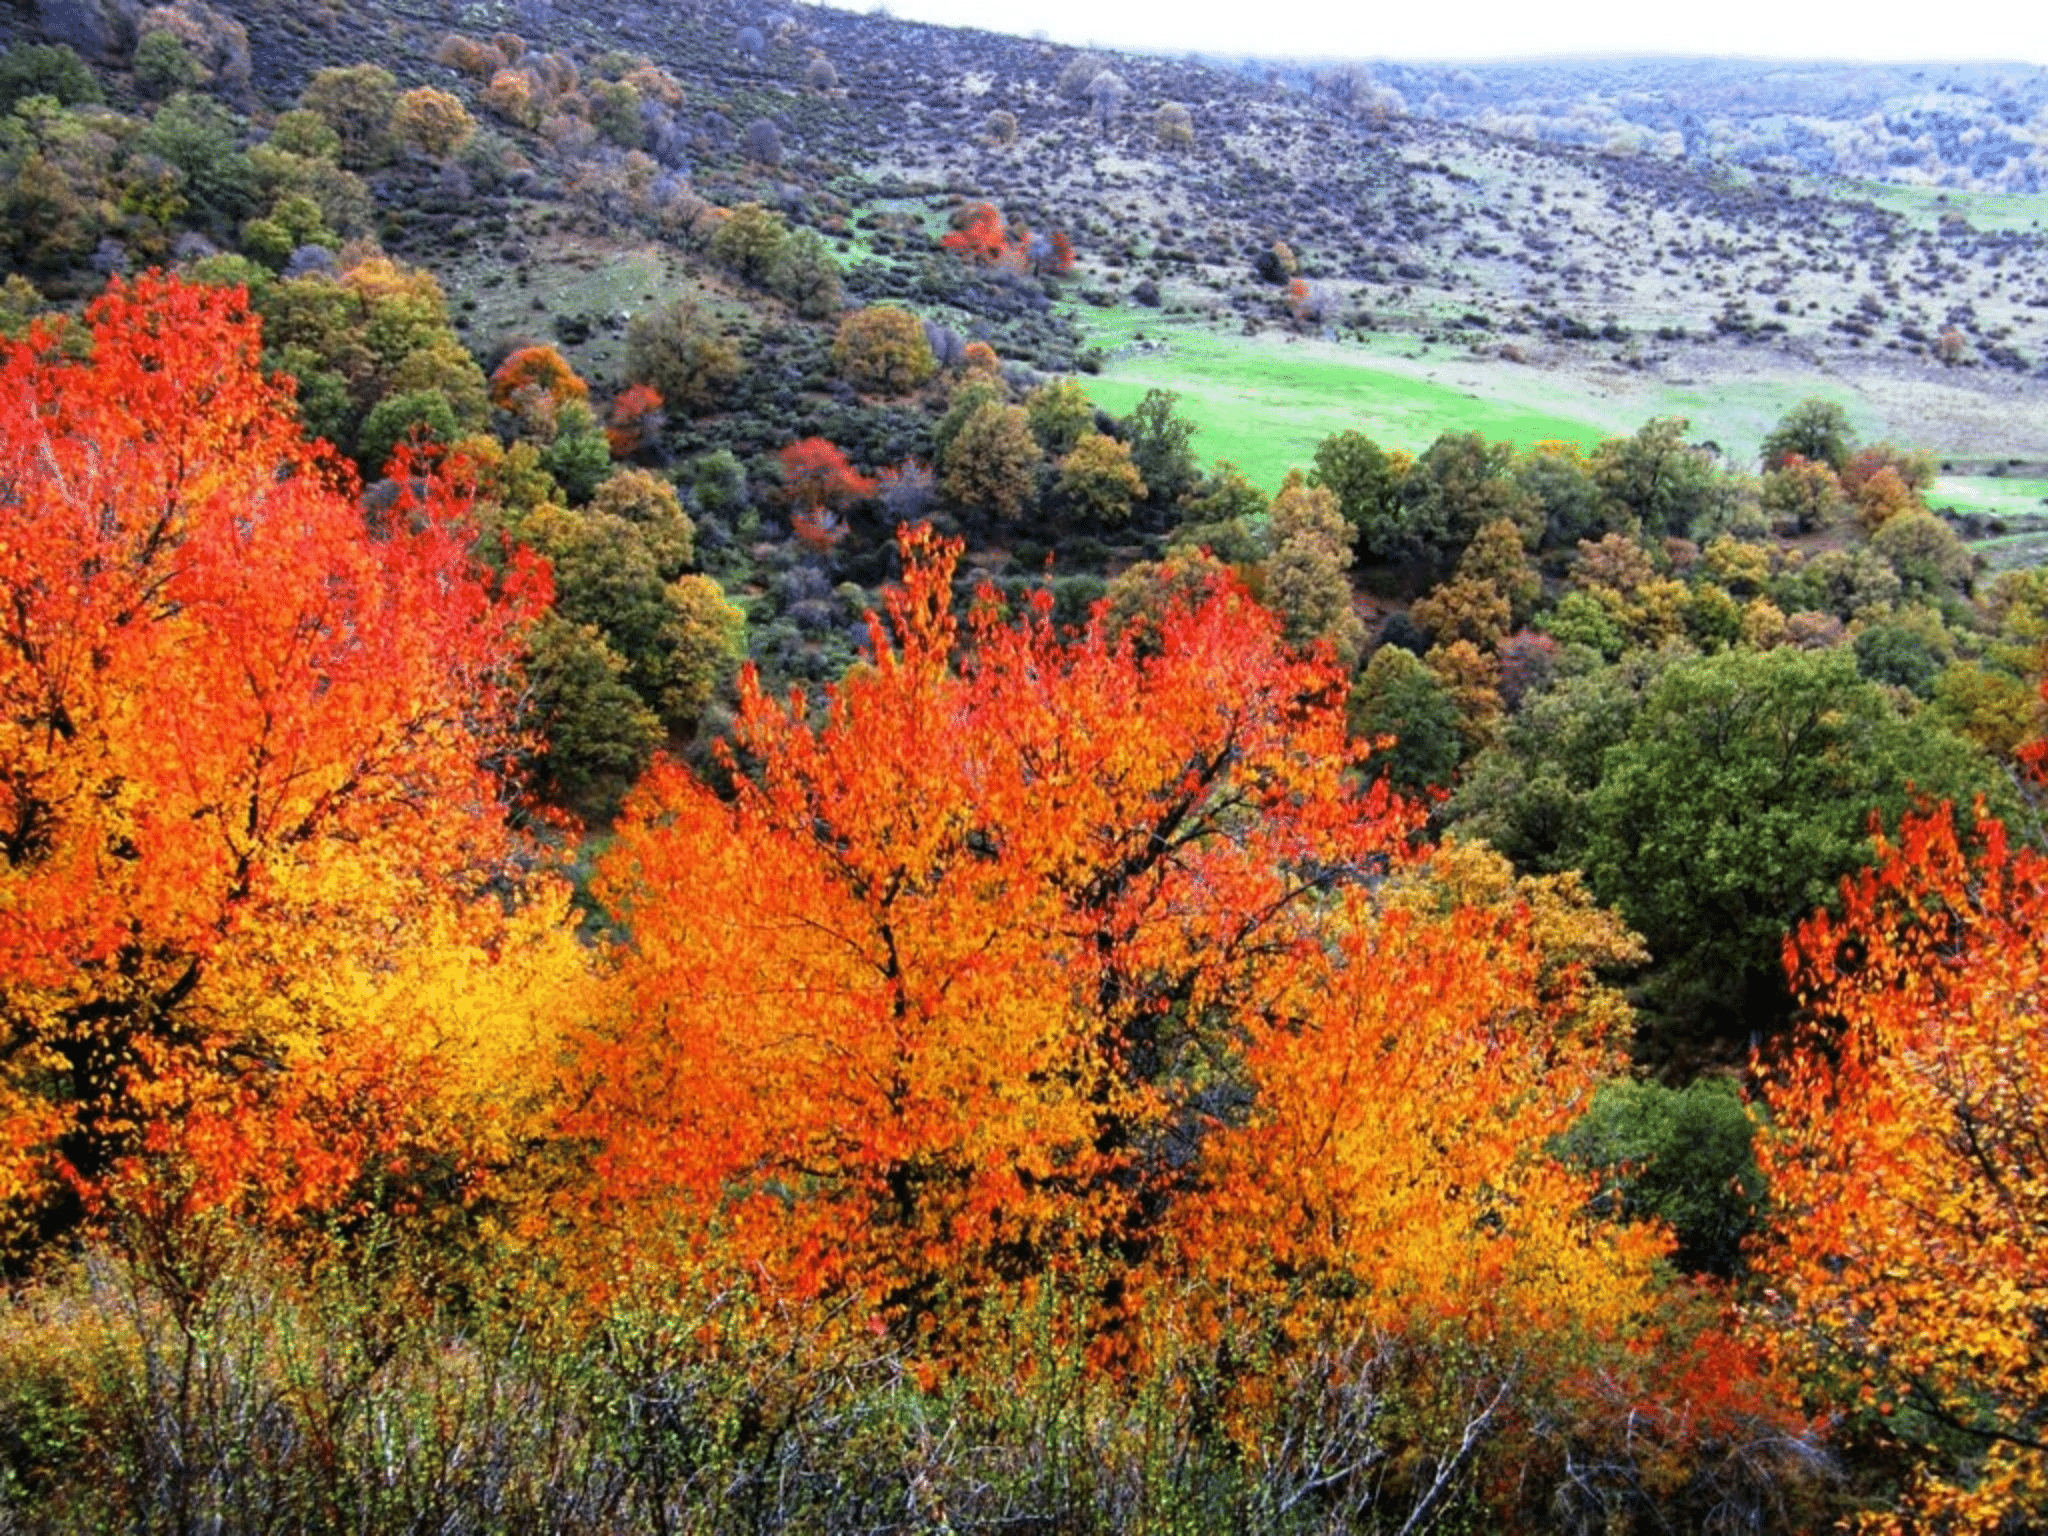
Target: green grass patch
(1264, 402)
(1926, 206)
(1992, 495)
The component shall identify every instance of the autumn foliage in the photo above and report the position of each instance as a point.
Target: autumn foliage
(635, 420)
(818, 482)
(246, 817)
(1054, 1013)
(1910, 1259)
(982, 236)
(1079, 952)
(533, 384)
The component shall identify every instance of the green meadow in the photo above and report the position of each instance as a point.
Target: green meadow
(1926, 206)
(1993, 495)
(1264, 402)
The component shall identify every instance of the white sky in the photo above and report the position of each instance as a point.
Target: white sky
(1492, 29)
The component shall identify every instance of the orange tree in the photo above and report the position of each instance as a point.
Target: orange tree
(1910, 1258)
(262, 921)
(532, 385)
(1076, 957)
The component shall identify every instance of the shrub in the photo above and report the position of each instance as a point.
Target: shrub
(679, 351)
(883, 350)
(432, 122)
(467, 56)
(1679, 1156)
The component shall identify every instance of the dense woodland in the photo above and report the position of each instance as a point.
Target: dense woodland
(750, 915)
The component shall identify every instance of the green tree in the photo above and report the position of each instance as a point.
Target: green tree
(1366, 482)
(198, 138)
(1904, 652)
(46, 69)
(1458, 486)
(1684, 1157)
(991, 465)
(1737, 800)
(671, 635)
(1658, 481)
(1159, 439)
(1224, 514)
(1558, 479)
(417, 416)
(1816, 430)
(680, 350)
(579, 457)
(164, 66)
(1398, 696)
(305, 134)
(596, 736)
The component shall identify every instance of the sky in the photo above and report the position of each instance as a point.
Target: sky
(1493, 29)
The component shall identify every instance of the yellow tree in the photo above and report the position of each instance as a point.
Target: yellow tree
(1909, 1258)
(1077, 960)
(258, 891)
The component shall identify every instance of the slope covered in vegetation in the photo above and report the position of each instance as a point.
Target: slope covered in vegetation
(1233, 1003)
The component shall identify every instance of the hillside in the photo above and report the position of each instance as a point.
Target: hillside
(766, 770)
(1611, 271)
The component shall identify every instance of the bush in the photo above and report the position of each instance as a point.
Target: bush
(883, 350)
(1683, 1157)
(421, 415)
(678, 349)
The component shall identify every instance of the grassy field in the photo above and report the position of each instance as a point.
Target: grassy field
(1264, 402)
(1992, 495)
(2024, 505)
(1926, 205)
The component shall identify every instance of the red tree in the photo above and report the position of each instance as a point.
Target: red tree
(979, 234)
(245, 733)
(819, 482)
(635, 417)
